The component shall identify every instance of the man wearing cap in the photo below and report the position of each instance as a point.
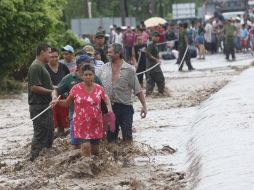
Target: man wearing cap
(67, 83)
(155, 75)
(100, 46)
(68, 58)
(91, 52)
(39, 89)
(120, 81)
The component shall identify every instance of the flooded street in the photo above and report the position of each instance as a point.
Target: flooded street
(157, 159)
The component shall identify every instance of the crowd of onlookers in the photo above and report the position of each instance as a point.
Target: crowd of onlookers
(207, 36)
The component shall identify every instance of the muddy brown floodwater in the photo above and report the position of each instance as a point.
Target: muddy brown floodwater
(119, 166)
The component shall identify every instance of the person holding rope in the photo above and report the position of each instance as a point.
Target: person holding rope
(65, 86)
(139, 57)
(40, 88)
(155, 75)
(184, 54)
(86, 97)
(120, 81)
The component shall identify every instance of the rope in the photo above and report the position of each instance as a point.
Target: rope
(139, 56)
(183, 57)
(14, 128)
(148, 69)
(158, 44)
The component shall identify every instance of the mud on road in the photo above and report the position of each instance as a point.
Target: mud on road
(119, 166)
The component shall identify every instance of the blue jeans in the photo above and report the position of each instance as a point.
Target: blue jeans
(124, 119)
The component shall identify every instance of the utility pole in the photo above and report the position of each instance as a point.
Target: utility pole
(161, 10)
(89, 4)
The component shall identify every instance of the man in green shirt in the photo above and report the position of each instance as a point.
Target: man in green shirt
(183, 44)
(154, 76)
(67, 83)
(229, 32)
(39, 90)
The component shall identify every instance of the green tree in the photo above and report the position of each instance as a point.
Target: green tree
(24, 23)
(112, 8)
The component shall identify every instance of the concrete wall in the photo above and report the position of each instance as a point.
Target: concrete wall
(89, 26)
(221, 145)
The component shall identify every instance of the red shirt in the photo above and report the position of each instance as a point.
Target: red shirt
(87, 117)
(161, 31)
(129, 38)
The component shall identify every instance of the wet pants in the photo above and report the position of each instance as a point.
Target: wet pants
(124, 119)
(186, 58)
(43, 129)
(230, 48)
(155, 78)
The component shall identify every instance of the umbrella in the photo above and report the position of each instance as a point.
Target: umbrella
(154, 21)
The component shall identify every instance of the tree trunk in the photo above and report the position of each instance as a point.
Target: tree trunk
(161, 11)
(123, 13)
(153, 8)
(126, 8)
(86, 8)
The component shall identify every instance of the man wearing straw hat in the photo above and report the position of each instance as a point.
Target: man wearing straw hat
(39, 96)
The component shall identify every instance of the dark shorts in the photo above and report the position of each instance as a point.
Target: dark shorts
(92, 141)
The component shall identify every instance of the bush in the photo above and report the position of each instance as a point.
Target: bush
(11, 87)
(58, 40)
(23, 24)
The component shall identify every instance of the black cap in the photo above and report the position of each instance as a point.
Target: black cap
(99, 34)
(156, 34)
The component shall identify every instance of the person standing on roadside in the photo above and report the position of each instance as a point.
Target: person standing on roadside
(244, 35)
(120, 81)
(57, 71)
(200, 40)
(68, 58)
(229, 32)
(154, 76)
(40, 88)
(183, 45)
(208, 34)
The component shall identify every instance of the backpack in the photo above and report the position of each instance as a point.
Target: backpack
(193, 51)
(168, 55)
